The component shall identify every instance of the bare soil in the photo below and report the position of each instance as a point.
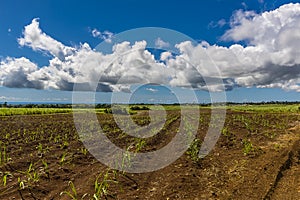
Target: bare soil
(42, 154)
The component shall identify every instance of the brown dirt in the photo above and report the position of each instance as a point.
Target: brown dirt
(270, 170)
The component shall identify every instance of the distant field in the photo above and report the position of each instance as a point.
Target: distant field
(32, 111)
(272, 108)
(269, 108)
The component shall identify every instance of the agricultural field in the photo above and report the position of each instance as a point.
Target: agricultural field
(32, 111)
(256, 157)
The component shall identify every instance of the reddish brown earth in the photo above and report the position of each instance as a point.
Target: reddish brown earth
(269, 170)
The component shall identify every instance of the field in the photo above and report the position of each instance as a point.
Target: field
(256, 157)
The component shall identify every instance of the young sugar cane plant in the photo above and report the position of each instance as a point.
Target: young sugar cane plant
(247, 147)
(4, 158)
(193, 151)
(250, 149)
(5, 175)
(102, 184)
(31, 177)
(72, 194)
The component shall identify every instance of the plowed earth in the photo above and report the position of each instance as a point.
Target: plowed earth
(256, 157)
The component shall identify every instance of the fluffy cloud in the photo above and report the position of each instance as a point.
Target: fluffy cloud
(90, 70)
(34, 37)
(14, 73)
(273, 30)
(274, 39)
(270, 59)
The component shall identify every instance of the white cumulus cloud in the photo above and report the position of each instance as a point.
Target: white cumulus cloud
(14, 72)
(270, 59)
(36, 39)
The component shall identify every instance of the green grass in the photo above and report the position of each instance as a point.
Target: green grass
(175, 107)
(269, 108)
(32, 111)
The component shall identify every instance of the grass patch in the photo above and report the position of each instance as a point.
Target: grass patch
(32, 111)
(268, 108)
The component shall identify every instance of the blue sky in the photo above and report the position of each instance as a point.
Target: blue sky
(70, 24)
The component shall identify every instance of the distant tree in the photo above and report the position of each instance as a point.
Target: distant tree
(102, 106)
(116, 110)
(4, 105)
(136, 107)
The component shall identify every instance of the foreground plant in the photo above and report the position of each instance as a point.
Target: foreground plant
(4, 178)
(102, 185)
(247, 147)
(193, 151)
(4, 158)
(140, 144)
(31, 178)
(250, 149)
(21, 183)
(73, 193)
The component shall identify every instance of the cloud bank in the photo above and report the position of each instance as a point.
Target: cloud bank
(268, 60)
